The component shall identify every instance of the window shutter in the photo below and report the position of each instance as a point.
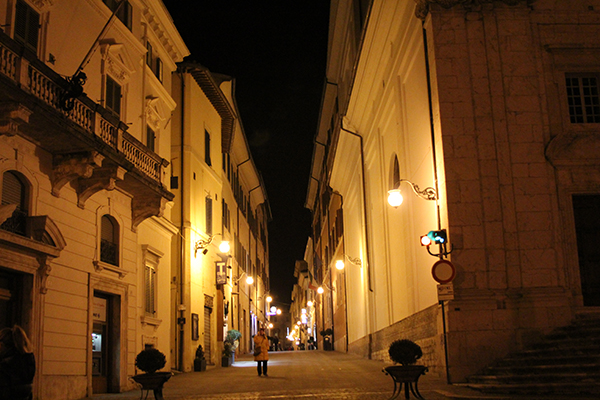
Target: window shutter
(150, 283)
(34, 24)
(21, 21)
(27, 24)
(209, 213)
(12, 190)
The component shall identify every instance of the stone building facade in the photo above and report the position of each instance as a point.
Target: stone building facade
(493, 106)
(220, 197)
(91, 228)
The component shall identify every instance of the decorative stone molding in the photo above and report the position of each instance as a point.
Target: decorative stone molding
(12, 115)
(574, 149)
(422, 8)
(69, 167)
(42, 5)
(104, 178)
(116, 62)
(44, 272)
(150, 321)
(43, 229)
(143, 207)
(153, 117)
(100, 266)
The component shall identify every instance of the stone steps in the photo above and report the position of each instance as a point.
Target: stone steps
(566, 361)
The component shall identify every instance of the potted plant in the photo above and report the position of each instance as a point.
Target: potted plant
(227, 357)
(150, 361)
(199, 361)
(327, 334)
(406, 353)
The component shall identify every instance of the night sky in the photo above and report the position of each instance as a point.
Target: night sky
(276, 50)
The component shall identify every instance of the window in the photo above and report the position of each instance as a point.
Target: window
(150, 288)
(113, 96)
(209, 212)
(154, 62)
(109, 243)
(583, 98)
(14, 191)
(226, 215)
(158, 71)
(149, 54)
(150, 138)
(27, 25)
(207, 148)
(125, 11)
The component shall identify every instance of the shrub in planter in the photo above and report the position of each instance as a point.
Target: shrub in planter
(150, 360)
(405, 352)
(199, 361)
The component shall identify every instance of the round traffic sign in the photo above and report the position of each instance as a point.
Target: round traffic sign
(443, 271)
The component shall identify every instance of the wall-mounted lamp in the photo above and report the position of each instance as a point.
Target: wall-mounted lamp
(339, 264)
(203, 244)
(249, 279)
(320, 290)
(395, 196)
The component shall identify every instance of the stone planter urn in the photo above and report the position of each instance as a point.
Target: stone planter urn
(151, 360)
(406, 353)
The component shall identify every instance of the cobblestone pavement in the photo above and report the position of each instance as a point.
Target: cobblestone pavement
(302, 375)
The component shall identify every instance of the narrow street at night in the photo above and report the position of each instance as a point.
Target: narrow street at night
(305, 375)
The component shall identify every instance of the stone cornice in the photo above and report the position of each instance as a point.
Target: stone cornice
(422, 8)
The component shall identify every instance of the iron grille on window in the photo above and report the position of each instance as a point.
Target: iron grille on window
(16, 223)
(108, 252)
(583, 99)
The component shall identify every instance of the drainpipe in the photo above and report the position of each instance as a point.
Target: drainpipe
(435, 174)
(365, 221)
(180, 332)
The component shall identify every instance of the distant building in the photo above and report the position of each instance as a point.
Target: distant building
(485, 114)
(220, 197)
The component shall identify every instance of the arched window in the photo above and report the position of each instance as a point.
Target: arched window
(109, 240)
(14, 192)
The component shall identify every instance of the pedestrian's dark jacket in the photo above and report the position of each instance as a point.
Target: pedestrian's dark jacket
(16, 375)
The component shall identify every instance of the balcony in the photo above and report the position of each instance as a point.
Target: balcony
(90, 146)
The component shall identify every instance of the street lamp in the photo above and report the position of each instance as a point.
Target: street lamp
(395, 197)
(224, 247)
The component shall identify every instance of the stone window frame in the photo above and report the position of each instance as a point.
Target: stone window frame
(151, 258)
(99, 265)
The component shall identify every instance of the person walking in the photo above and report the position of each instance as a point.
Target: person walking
(261, 352)
(17, 365)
